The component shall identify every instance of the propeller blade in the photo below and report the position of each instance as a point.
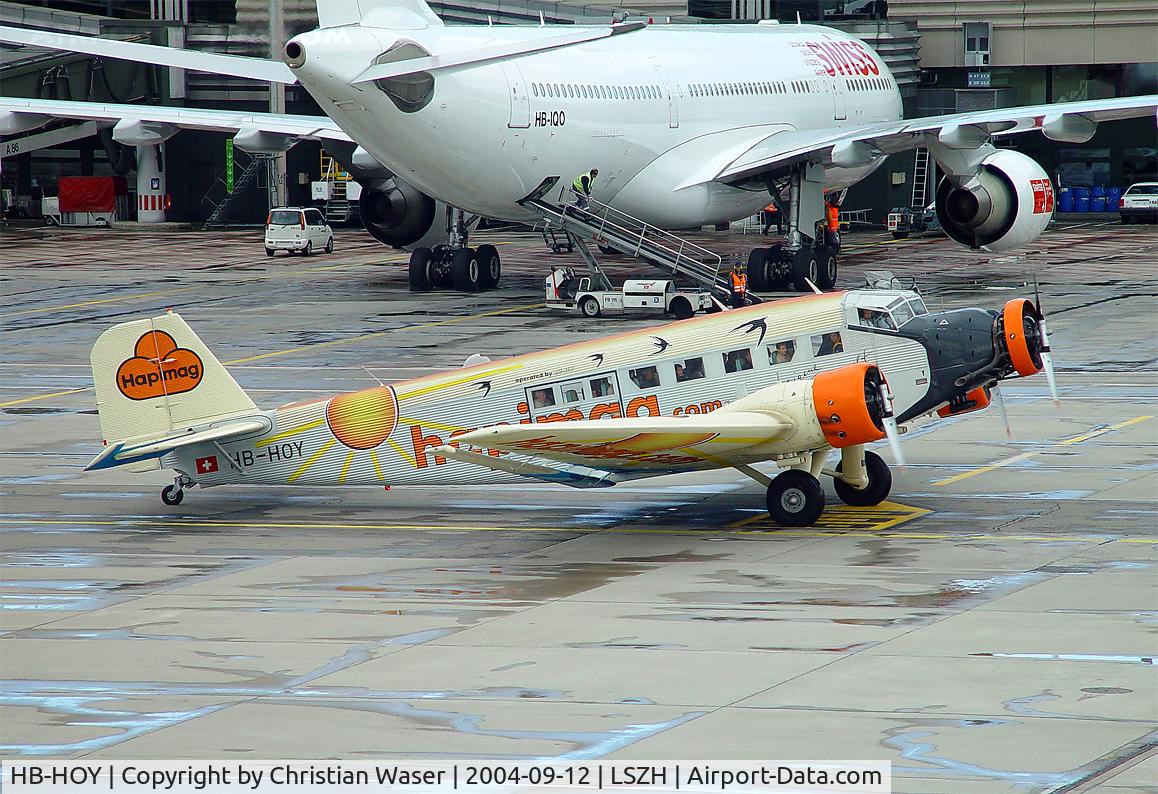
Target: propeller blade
(890, 423)
(999, 403)
(1047, 362)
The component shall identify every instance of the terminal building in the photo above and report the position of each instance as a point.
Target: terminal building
(947, 56)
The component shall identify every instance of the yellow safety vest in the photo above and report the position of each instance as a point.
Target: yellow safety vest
(577, 185)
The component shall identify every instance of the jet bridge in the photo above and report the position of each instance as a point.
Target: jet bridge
(611, 228)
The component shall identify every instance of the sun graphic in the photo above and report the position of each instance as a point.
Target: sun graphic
(363, 419)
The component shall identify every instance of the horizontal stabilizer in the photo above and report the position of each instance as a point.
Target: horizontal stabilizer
(214, 63)
(120, 454)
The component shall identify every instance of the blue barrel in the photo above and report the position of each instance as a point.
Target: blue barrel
(1098, 204)
(1097, 191)
(1065, 200)
(1113, 195)
(1079, 192)
(1082, 203)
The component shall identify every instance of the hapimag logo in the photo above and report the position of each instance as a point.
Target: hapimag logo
(158, 367)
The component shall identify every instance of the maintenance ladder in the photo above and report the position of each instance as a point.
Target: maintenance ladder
(611, 228)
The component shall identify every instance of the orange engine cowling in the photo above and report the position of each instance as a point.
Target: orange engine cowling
(849, 404)
(1021, 336)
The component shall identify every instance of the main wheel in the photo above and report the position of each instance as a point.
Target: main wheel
(309, 249)
(773, 271)
(421, 260)
(826, 267)
(757, 266)
(330, 246)
(795, 499)
(172, 495)
(590, 307)
(491, 264)
(877, 490)
(682, 308)
(465, 270)
(804, 266)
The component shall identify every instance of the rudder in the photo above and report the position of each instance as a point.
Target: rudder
(155, 376)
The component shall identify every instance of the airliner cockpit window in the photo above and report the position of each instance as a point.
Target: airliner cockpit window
(409, 92)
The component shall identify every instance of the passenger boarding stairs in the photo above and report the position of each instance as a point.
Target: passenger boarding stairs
(611, 228)
(920, 181)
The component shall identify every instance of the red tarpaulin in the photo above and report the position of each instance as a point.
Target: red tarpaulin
(88, 193)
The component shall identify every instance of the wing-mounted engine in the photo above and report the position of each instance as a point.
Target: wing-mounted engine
(398, 214)
(1006, 203)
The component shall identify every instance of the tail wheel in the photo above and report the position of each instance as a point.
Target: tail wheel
(172, 495)
(420, 263)
(757, 266)
(491, 264)
(795, 499)
(826, 267)
(880, 482)
(465, 270)
(804, 269)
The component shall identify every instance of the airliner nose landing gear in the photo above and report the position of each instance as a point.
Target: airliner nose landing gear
(455, 265)
(804, 259)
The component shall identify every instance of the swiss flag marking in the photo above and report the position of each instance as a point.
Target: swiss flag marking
(206, 465)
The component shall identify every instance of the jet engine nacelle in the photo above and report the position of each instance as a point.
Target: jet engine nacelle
(1006, 204)
(398, 214)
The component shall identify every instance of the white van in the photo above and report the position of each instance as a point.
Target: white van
(297, 229)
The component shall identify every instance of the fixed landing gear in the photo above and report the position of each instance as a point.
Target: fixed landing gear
(455, 266)
(795, 498)
(173, 495)
(880, 482)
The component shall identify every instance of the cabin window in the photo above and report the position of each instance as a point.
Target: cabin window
(543, 398)
(738, 360)
(573, 392)
(535, 89)
(827, 344)
(644, 377)
(690, 369)
(602, 387)
(782, 352)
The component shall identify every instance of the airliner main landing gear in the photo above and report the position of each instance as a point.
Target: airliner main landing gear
(455, 265)
(804, 259)
(173, 494)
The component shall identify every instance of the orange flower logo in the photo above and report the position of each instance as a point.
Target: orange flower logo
(363, 419)
(159, 367)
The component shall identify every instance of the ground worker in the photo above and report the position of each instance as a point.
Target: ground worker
(832, 227)
(772, 216)
(581, 187)
(738, 283)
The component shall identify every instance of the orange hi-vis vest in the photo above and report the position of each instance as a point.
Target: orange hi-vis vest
(739, 282)
(833, 218)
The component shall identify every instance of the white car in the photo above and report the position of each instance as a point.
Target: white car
(297, 229)
(1139, 203)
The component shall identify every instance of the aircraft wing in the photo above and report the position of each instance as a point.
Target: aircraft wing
(851, 146)
(313, 127)
(636, 446)
(216, 63)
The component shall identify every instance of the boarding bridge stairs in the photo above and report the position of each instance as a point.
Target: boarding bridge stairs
(611, 228)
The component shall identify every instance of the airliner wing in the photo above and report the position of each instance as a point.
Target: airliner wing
(1068, 121)
(313, 127)
(216, 63)
(637, 446)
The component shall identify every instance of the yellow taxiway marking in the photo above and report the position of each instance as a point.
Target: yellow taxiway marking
(1024, 455)
(379, 334)
(814, 532)
(45, 396)
(884, 516)
(65, 307)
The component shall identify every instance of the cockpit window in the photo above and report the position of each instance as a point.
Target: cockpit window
(901, 312)
(409, 92)
(918, 306)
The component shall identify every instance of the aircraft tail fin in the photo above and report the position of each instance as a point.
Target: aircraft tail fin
(155, 377)
(378, 13)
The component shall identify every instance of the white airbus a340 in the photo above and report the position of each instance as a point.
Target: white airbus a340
(687, 124)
